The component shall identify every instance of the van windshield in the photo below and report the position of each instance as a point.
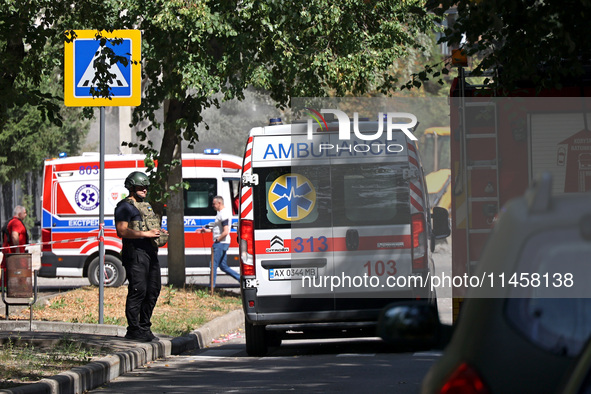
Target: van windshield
(325, 196)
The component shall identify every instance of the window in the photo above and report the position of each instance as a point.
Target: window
(370, 194)
(233, 184)
(199, 196)
(293, 196)
(325, 196)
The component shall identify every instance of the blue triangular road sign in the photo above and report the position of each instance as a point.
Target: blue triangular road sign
(85, 53)
(88, 76)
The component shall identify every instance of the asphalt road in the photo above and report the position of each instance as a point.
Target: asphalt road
(345, 366)
(328, 365)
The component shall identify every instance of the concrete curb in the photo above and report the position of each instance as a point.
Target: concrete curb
(209, 331)
(61, 327)
(79, 380)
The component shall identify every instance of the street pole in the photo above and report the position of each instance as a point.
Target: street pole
(101, 216)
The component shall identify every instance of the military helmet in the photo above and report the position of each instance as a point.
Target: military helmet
(136, 178)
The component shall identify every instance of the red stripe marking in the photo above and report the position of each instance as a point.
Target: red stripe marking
(90, 162)
(230, 164)
(47, 188)
(413, 161)
(202, 163)
(336, 244)
(416, 189)
(95, 244)
(415, 204)
(213, 162)
(411, 148)
(246, 195)
(63, 206)
(244, 213)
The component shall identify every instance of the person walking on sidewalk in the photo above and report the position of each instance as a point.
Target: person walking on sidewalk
(139, 227)
(221, 239)
(15, 234)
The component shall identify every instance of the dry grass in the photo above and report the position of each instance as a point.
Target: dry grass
(22, 362)
(178, 311)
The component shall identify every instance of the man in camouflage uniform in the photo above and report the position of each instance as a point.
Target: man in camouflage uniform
(139, 227)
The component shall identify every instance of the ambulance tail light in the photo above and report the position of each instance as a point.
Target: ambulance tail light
(247, 247)
(419, 242)
(45, 239)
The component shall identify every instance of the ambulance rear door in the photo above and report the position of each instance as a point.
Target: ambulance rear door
(371, 221)
(292, 211)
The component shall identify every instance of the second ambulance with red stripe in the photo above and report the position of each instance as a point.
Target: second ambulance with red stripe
(331, 229)
(70, 221)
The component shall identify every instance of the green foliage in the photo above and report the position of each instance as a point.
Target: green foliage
(34, 124)
(26, 362)
(524, 43)
(61, 303)
(170, 293)
(202, 293)
(434, 78)
(199, 53)
(30, 219)
(175, 326)
(27, 139)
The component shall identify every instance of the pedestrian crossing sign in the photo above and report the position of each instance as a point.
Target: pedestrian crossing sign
(83, 53)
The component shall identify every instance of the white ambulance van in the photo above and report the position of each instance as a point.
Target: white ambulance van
(70, 219)
(330, 231)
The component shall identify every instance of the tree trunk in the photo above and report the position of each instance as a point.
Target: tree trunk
(7, 199)
(176, 224)
(175, 221)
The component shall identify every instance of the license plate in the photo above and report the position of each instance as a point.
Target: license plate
(291, 273)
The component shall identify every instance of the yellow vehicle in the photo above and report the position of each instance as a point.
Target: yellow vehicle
(434, 147)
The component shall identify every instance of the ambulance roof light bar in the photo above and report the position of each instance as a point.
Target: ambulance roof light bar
(212, 151)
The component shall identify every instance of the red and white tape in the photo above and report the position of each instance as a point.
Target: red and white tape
(52, 242)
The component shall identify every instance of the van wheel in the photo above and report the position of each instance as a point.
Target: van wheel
(256, 340)
(114, 271)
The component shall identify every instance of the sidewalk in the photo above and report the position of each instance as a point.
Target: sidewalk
(127, 355)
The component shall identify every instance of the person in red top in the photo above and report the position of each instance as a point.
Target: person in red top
(16, 234)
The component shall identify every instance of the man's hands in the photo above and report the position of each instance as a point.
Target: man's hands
(154, 233)
(123, 231)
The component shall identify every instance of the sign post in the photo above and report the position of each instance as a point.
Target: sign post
(83, 56)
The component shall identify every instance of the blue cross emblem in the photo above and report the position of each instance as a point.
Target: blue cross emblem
(87, 197)
(292, 197)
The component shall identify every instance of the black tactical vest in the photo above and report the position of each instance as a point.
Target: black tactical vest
(150, 220)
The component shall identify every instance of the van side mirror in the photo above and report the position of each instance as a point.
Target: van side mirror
(413, 324)
(441, 227)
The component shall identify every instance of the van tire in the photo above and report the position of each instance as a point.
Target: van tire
(256, 340)
(115, 273)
